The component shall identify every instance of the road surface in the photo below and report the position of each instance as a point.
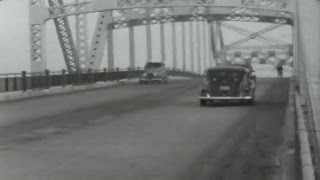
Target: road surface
(142, 132)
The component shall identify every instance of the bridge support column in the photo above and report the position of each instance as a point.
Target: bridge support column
(184, 51)
(163, 43)
(149, 42)
(132, 54)
(174, 46)
(110, 49)
(191, 46)
(199, 48)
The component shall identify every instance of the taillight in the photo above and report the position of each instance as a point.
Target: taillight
(205, 81)
(205, 84)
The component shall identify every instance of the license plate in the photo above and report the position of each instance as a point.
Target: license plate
(224, 88)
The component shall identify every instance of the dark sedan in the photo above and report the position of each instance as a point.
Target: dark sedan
(228, 83)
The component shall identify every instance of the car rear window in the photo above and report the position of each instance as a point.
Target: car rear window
(225, 75)
(153, 65)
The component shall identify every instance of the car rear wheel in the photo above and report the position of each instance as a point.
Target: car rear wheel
(164, 81)
(251, 101)
(203, 103)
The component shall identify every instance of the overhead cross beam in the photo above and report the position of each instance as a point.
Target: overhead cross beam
(251, 36)
(272, 42)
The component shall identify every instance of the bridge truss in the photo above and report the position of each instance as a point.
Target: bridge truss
(116, 14)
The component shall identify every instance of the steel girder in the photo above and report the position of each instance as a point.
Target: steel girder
(37, 36)
(191, 35)
(149, 43)
(205, 44)
(199, 59)
(226, 13)
(65, 36)
(162, 43)
(82, 37)
(174, 45)
(184, 47)
(101, 35)
(285, 48)
(217, 43)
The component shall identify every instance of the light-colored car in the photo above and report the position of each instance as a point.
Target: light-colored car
(228, 83)
(154, 72)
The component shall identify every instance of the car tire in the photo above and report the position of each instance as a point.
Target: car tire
(203, 103)
(251, 102)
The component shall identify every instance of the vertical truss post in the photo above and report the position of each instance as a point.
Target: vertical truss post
(65, 37)
(191, 46)
(37, 36)
(213, 43)
(199, 47)
(221, 41)
(205, 45)
(82, 37)
(149, 42)
(184, 51)
(163, 43)
(110, 49)
(131, 47)
(210, 47)
(174, 46)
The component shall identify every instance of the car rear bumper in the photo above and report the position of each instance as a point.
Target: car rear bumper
(150, 80)
(224, 98)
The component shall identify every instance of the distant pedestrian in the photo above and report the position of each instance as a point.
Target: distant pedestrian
(280, 70)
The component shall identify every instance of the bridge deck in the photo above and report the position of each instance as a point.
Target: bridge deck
(142, 132)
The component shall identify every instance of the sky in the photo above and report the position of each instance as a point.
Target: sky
(15, 45)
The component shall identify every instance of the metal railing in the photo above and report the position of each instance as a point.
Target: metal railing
(44, 80)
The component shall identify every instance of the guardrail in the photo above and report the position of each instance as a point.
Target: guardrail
(44, 80)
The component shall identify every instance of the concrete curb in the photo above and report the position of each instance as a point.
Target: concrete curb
(286, 152)
(4, 97)
(305, 153)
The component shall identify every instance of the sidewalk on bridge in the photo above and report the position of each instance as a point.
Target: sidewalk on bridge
(287, 152)
(10, 96)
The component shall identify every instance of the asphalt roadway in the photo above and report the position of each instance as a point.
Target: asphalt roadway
(142, 132)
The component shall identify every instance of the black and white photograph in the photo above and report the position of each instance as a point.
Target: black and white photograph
(160, 89)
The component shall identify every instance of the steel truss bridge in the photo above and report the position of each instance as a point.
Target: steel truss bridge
(81, 55)
(128, 14)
